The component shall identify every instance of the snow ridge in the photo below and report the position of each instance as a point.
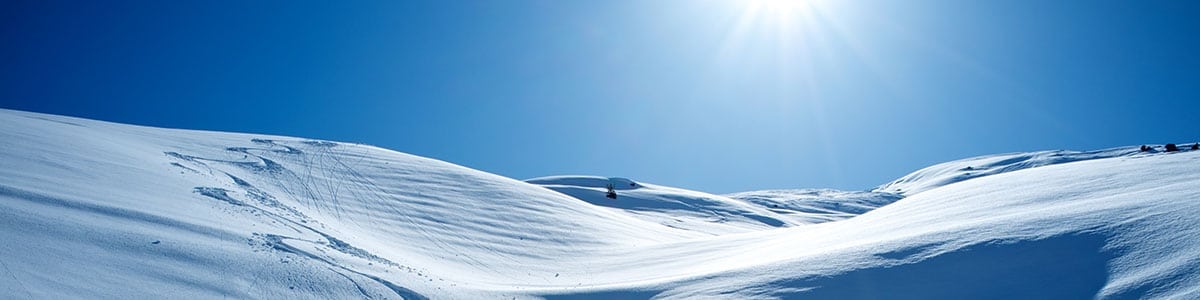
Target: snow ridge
(955, 171)
(193, 214)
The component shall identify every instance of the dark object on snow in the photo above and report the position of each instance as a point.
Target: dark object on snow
(1144, 148)
(1172, 148)
(1196, 146)
(612, 194)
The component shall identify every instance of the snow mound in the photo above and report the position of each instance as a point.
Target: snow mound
(717, 214)
(92, 209)
(955, 171)
(811, 206)
(1116, 228)
(205, 215)
(673, 207)
(618, 183)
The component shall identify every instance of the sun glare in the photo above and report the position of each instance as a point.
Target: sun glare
(779, 10)
(779, 4)
(787, 25)
(788, 45)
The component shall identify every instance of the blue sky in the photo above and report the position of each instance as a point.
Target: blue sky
(719, 96)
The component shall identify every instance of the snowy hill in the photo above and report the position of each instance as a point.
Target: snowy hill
(716, 214)
(811, 206)
(92, 209)
(951, 172)
(671, 207)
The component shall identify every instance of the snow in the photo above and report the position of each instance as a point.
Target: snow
(960, 170)
(672, 207)
(717, 214)
(811, 206)
(91, 209)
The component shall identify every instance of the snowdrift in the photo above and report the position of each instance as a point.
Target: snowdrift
(951, 172)
(811, 206)
(671, 207)
(91, 209)
(718, 214)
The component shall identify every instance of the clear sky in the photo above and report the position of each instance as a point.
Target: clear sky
(719, 96)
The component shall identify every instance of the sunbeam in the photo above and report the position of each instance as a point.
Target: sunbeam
(789, 49)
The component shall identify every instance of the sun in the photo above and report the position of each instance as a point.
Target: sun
(779, 10)
(775, 21)
(778, 4)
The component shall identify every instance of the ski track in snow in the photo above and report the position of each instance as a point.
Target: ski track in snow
(292, 183)
(192, 214)
(15, 279)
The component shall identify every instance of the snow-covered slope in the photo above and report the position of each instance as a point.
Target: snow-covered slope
(811, 206)
(92, 209)
(672, 207)
(950, 172)
(198, 214)
(716, 214)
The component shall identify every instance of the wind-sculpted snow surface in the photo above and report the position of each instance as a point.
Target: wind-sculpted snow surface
(811, 206)
(92, 209)
(672, 207)
(951, 172)
(717, 214)
(199, 214)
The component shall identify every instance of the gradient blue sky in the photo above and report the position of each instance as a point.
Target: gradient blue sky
(716, 96)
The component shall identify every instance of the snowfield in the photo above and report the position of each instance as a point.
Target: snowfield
(92, 209)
